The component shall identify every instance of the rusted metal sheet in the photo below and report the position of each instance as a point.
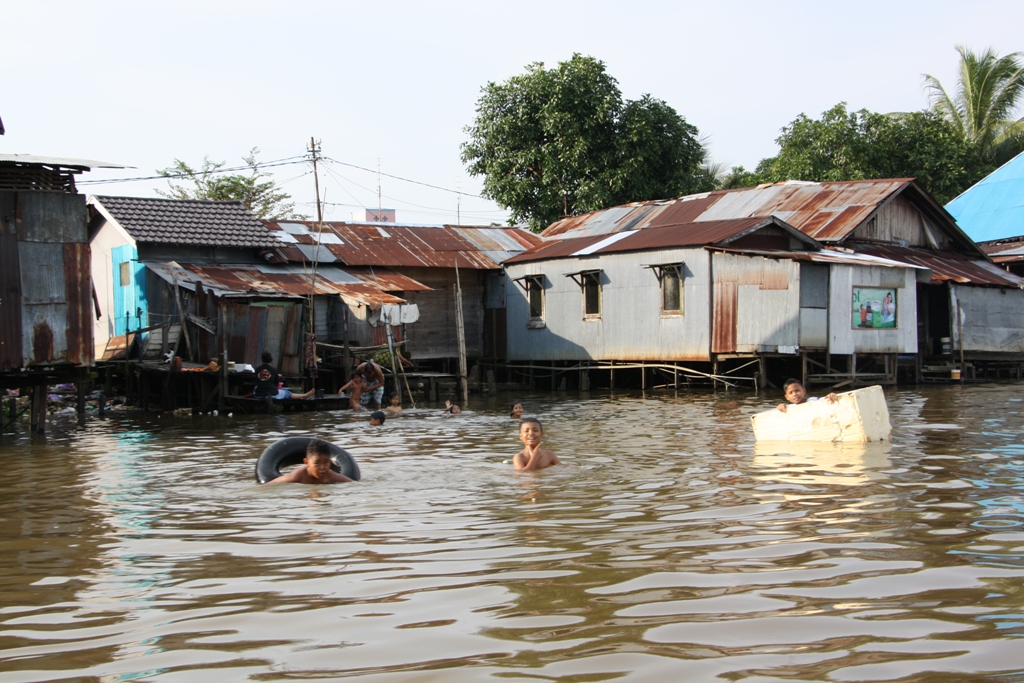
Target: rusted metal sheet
(946, 265)
(78, 284)
(292, 349)
(358, 285)
(664, 237)
(274, 336)
(723, 329)
(255, 344)
(52, 217)
(825, 211)
(233, 321)
(11, 357)
(358, 244)
(42, 272)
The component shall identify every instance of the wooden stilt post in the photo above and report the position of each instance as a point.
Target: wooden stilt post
(611, 376)
(223, 363)
(461, 330)
(960, 339)
(80, 389)
(38, 419)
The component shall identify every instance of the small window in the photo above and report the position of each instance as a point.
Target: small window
(671, 292)
(533, 286)
(670, 280)
(589, 282)
(535, 296)
(126, 274)
(592, 294)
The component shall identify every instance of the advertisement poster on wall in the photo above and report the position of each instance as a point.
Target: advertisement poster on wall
(874, 308)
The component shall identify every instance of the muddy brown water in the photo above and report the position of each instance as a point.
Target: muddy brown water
(669, 547)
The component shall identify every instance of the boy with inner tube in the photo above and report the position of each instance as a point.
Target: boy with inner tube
(316, 467)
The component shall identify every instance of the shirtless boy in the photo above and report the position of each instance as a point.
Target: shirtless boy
(316, 467)
(796, 394)
(355, 388)
(533, 457)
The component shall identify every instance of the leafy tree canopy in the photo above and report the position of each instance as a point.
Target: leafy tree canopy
(560, 142)
(844, 145)
(257, 190)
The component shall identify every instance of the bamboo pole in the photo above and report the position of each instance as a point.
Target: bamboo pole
(181, 314)
(461, 331)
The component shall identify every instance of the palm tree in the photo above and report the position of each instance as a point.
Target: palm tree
(983, 105)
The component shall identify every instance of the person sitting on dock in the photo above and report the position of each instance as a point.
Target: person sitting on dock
(373, 378)
(267, 378)
(355, 388)
(283, 393)
(316, 467)
(269, 384)
(396, 404)
(377, 418)
(796, 394)
(533, 457)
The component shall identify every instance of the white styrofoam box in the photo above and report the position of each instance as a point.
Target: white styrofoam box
(856, 417)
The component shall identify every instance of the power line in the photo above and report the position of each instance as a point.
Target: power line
(180, 176)
(406, 180)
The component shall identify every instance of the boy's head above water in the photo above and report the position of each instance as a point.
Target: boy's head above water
(794, 391)
(377, 418)
(318, 458)
(530, 427)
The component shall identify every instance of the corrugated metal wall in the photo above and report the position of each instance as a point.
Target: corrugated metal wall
(991, 318)
(45, 284)
(844, 338)
(631, 326)
(756, 305)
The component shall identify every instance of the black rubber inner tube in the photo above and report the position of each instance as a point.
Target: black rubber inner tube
(292, 450)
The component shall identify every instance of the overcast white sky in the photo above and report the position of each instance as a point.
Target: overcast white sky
(143, 83)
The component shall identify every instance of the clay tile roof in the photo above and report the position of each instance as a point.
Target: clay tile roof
(187, 221)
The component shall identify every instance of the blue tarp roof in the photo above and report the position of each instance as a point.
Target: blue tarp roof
(993, 208)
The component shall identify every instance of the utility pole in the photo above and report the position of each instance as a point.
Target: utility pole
(310, 346)
(314, 151)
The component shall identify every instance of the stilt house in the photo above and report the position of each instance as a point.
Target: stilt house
(198, 271)
(894, 274)
(446, 261)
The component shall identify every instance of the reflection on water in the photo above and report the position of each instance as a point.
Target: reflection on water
(670, 543)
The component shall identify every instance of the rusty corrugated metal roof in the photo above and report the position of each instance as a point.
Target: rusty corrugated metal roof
(946, 265)
(662, 237)
(824, 211)
(289, 281)
(374, 244)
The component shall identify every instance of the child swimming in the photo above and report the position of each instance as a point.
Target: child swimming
(316, 467)
(795, 393)
(533, 457)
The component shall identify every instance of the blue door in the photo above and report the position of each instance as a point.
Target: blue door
(130, 311)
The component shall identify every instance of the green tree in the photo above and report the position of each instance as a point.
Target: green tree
(257, 190)
(560, 142)
(981, 109)
(844, 145)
